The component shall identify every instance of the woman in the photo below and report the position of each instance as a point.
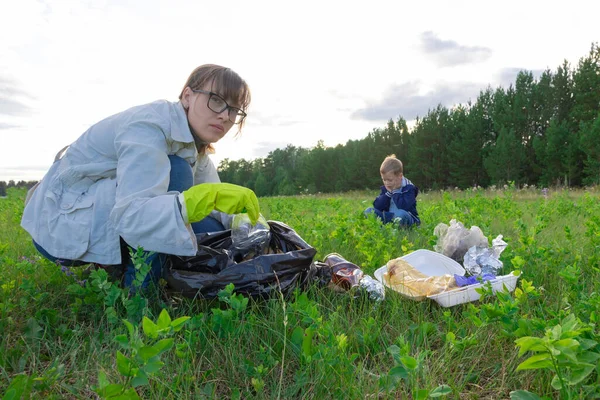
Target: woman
(143, 178)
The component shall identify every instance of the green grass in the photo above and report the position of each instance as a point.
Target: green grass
(54, 345)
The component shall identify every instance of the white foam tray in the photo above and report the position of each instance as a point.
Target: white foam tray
(434, 264)
(467, 294)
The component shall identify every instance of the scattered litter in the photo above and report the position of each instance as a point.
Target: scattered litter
(437, 266)
(346, 276)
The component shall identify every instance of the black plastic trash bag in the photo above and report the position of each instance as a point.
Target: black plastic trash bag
(215, 266)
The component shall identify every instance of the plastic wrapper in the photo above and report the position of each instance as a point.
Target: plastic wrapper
(410, 282)
(472, 280)
(247, 240)
(498, 246)
(485, 260)
(455, 240)
(286, 264)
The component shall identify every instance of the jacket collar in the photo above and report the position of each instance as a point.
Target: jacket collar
(405, 182)
(180, 129)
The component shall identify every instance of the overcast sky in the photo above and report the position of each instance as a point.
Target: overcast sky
(330, 70)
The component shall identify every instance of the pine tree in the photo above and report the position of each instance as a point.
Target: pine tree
(586, 93)
(553, 153)
(505, 162)
(590, 135)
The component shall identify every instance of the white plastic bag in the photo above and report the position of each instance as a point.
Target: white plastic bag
(455, 240)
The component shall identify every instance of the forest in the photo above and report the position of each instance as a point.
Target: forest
(542, 131)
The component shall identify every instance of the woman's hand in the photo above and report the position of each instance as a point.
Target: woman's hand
(201, 199)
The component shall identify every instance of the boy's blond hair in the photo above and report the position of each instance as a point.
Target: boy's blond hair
(391, 164)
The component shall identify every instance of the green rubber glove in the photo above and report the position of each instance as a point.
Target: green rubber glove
(201, 199)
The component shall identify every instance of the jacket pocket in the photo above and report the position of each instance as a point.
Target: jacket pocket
(68, 215)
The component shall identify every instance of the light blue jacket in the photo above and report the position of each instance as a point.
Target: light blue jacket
(112, 182)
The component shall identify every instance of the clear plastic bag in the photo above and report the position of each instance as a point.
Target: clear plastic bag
(412, 283)
(455, 240)
(249, 240)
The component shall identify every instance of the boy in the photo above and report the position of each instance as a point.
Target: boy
(397, 201)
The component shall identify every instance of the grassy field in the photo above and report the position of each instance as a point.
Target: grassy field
(59, 339)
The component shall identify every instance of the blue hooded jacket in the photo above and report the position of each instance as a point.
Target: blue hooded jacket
(405, 198)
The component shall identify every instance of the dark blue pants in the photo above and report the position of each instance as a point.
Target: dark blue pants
(181, 179)
(401, 216)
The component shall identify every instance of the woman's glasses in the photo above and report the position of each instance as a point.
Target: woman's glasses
(217, 104)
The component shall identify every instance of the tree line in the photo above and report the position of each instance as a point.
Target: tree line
(539, 131)
(11, 183)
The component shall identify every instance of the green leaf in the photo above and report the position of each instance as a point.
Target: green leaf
(153, 367)
(10, 394)
(129, 394)
(570, 323)
(587, 344)
(150, 328)
(441, 390)
(164, 320)
(124, 364)
(556, 332)
(523, 395)
(19, 388)
(163, 345)
(33, 330)
(589, 357)
(147, 352)
(307, 341)
(421, 394)
(556, 384)
(579, 373)
(568, 351)
(122, 341)
(129, 327)
(179, 323)
(113, 390)
(517, 262)
(530, 343)
(409, 362)
(140, 379)
(297, 336)
(538, 361)
(398, 372)
(102, 380)
(394, 350)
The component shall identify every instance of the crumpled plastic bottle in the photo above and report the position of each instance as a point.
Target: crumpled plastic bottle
(247, 239)
(347, 275)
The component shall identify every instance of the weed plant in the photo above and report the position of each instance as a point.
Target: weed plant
(72, 333)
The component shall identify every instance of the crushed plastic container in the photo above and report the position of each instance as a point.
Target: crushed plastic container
(435, 264)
